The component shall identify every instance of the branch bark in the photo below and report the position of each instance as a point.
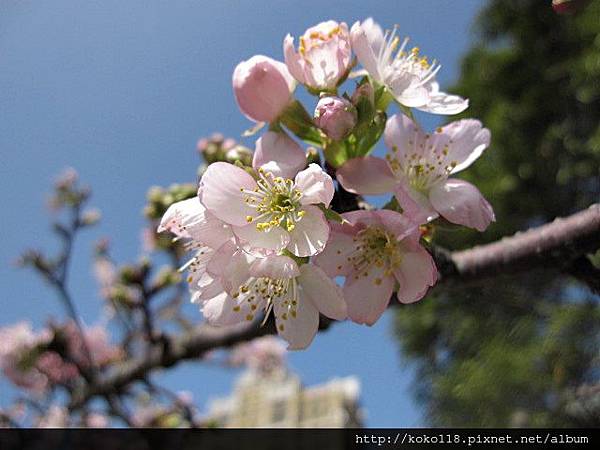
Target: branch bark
(556, 244)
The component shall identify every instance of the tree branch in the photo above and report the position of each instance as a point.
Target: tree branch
(556, 245)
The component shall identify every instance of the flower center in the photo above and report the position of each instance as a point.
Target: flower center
(374, 246)
(276, 201)
(317, 39)
(404, 61)
(268, 291)
(423, 163)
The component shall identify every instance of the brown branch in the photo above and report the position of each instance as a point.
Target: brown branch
(556, 244)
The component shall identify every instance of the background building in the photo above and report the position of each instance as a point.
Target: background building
(278, 399)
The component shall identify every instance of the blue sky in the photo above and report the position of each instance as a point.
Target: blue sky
(121, 91)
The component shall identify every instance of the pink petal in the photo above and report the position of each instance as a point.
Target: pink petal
(461, 202)
(334, 258)
(466, 141)
(220, 192)
(274, 239)
(279, 154)
(417, 272)
(368, 175)
(310, 234)
(399, 224)
(316, 186)
(262, 88)
(275, 267)
(368, 296)
(415, 205)
(293, 59)
(322, 290)
(298, 324)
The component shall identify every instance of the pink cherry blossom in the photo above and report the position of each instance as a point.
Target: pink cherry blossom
(336, 116)
(264, 354)
(323, 57)
(375, 251)
(16, 343)
(417, 170)
(263, 88)
(296, 295)
(409, 77)
(189, 219)
(271, 212)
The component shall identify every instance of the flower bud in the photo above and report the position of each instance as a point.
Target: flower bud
(336, 116)
(263, 88)
(239, 153)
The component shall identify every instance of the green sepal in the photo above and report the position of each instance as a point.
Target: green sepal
(298, 121)
(366, 142)
(330, 214)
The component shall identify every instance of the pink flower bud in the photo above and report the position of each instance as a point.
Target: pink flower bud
(336, 116)
(263, 88)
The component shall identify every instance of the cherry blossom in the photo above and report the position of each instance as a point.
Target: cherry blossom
(378, 253)
(407, 75)
(323, 57)
(279, 208)
(417, 170)
(296, 294)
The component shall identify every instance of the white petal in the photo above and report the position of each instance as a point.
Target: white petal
(461, 202)
(279, 154)
(465, 141)
(316, 186)
(274, 239)
(364, 50)
(181, 216)
(404, 137)
(310, 234)
(277, 266)
(298, 324)
(442, 103)
(322, 290)
(221, 258)
(220, 192)
(237, 271)
(224, 310)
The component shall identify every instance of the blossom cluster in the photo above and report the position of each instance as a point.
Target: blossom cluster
(264, 235)
(38, 361)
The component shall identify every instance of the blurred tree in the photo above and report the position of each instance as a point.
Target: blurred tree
(520, 350)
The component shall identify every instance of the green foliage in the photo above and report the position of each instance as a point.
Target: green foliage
(512, 351)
